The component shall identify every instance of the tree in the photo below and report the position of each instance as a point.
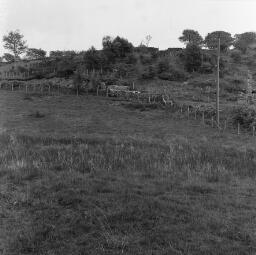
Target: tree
(243, 41)
(33, 53)
(8, 57)
(236, 56)
(116, 48)
(193, 57)
(92, 59)
(148, 39)
(212, 39)
(14, 43)
(190, 36)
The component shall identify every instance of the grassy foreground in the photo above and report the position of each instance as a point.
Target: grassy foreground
(121, 196)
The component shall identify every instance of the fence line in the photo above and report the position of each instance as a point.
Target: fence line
(149, 98)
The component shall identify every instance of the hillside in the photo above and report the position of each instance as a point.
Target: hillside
(86, 175)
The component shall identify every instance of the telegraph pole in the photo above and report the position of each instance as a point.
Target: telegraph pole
(218, 87)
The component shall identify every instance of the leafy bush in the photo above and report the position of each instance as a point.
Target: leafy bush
(163, 66)
(245, 116)
(146, 59)
(173, 75)
(236, 56)
(234, 86)
(206, 68)
(193, 58)
(148, 72)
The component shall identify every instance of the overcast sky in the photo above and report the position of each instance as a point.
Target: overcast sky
(79, 24)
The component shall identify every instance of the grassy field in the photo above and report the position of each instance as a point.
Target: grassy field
(88, 175)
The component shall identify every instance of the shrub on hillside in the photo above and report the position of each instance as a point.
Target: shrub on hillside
(65, 68)
(245, 116)
(236, 56)
(163, 66)
(173, 75)
(193, 58)
(234, 86)
(146, 59)
(206, 68)
(148, 72)
(130, 59)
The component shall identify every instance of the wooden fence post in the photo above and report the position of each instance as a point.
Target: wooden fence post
(238, 128)
(188, 112)
(107, 92)
(225, 124)
(26, 88)
(49, 89)
(195, 114)
(212, 121)
(203, 117)
(253, 131)
(97, 90)
(12, 87)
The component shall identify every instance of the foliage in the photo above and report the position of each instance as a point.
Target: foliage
(163, 65)
(236, 56)
(58, 54)
(116, 48)
(65, 68)
(146, 59)
(148, 38)
(206, 68)
(211, 40)
(130, 59)
(173, 75)
(193, 58)
(190, 36)
(149, 72)
(9, 57)
(244, 40)
(14, 42)
(33, 53)
(92, 59)
(245, 116)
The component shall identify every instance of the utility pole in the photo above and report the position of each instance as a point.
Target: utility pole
(218, 87)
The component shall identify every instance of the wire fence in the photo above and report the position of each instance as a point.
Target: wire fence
(204, 114)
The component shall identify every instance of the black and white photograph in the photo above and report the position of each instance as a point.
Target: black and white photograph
(127, 127)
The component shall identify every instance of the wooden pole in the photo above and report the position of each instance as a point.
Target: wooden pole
(195, 114)
(203, 118)
(253, 131)
(26, 89)
(218, 87)
(97, 90)
(238, 128)
(212, 121)
(225, 124)
(133, 86)
(188, 112)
